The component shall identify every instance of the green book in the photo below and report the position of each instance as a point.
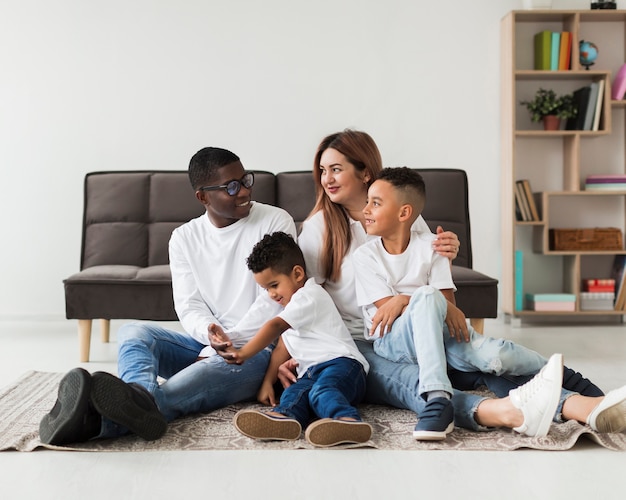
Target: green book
(543, 50)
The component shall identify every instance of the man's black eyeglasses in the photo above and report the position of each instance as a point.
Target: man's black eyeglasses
(233, 187)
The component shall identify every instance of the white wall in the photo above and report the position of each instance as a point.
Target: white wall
(139, 84)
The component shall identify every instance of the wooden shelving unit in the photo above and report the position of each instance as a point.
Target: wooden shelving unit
(557, 162)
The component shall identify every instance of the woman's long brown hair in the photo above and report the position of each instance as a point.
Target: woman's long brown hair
(361, 151)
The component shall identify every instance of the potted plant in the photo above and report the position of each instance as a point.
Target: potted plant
(551, 108)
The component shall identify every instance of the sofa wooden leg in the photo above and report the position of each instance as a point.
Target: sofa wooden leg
(84, 339)
(105, 328)
(478, 324)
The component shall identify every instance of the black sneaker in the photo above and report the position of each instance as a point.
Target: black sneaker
(575, 382)
(129, 405)
(72, 418)
(436, 421)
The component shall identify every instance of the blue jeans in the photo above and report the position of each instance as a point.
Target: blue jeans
(328, 390)
(191, 386)
(397, 383)
(416, 337)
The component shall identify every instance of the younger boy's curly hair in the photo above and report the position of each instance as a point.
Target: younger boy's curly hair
(277, 251)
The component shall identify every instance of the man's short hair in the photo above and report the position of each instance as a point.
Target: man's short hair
(206, 162)
(277, 251)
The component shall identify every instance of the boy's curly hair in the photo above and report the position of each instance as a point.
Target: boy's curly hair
(404, 177)
(277, 251)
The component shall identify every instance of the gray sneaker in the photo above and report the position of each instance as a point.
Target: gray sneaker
(610, 414)
(538, 398)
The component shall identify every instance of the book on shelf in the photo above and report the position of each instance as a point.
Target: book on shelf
(581, 101)
(617, 273)
(606, 182)
(523, 203)
(519, 280)
(565, 50)
(598, 111)
(618, 90)
(543, 50)
(597, 301)
(530, 199)
(554, 50)
(591, 106)
(599, 285)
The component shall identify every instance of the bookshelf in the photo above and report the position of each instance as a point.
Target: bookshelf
(556, 163)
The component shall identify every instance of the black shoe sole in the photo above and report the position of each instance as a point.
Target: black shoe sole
(65, 423)
(116, 400)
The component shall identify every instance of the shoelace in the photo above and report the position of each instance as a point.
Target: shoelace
(529, 389)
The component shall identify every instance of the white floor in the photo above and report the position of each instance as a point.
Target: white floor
(587, 471)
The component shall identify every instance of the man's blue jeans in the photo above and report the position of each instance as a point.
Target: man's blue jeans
(328, 390)
(147, 350)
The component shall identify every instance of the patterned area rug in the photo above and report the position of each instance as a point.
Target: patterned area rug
(23, 403)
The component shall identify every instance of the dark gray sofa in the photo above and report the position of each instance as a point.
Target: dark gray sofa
(129, 216)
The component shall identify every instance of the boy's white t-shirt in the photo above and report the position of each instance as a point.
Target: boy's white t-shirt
(380, 274)
(342, 291)
(317, 332)
(210, 279)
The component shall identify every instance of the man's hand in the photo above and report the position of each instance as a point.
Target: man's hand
(457, 325)
(388, 310)
(287, 372)
(447, 244)
(222, 344)
(266, 394)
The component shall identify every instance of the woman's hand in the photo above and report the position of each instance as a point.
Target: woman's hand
(447, 244)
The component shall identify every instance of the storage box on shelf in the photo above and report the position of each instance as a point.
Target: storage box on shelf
(565, 167)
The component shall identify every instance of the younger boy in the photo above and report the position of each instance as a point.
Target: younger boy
(406, 294)
(331, 370)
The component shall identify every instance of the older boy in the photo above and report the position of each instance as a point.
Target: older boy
(406, 293)
(331, 370)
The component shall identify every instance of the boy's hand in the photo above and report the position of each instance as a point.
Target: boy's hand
(447, 244)
(287, 372)
(387, 313)
(266, 394)
(457, 325)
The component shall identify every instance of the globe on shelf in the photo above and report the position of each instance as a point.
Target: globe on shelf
(588, 53)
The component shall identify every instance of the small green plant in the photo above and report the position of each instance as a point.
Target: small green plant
(546, 102)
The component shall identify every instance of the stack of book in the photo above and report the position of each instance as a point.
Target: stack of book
(608, 182)
(588, 102)
(598, 295)
(553, 50)
(525, 206)
(551, 301)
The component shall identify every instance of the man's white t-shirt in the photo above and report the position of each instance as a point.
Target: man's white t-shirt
(210, 279)
(342, 291)
(317, 333)
(380, 274)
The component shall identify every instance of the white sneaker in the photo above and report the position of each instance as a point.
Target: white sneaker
(610, 414)
(538, 398)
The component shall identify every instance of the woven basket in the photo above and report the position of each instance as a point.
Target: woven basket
(598, 238)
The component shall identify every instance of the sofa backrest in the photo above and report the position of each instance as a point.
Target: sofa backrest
(129, 216)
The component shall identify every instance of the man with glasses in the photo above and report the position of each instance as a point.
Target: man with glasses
(211, 285)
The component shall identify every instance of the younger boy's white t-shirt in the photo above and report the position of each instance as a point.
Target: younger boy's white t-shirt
(317, 332)
(379, 274)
